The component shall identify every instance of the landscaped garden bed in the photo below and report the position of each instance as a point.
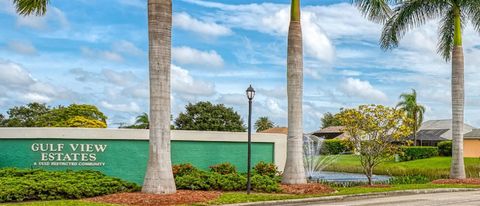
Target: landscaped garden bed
(468, 181)
(182, 197)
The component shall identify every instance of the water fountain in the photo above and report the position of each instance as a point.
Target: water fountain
(313, 160)
(315, 163)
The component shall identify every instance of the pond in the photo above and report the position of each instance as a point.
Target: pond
(347, 177)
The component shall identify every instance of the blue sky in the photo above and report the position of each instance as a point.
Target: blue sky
(95, 52)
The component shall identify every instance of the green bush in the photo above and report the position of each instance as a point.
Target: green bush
(265, 184)
(445, 148)
(228, 181)
(266, 169)
(335, 146)
(26, 185)
(417, 152)
(223, 168)
(192, 182)
(414, 179)
(184, 169)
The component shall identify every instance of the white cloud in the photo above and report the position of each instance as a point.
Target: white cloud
(121, 78)
(274, 19)
(363, 89)
(12, 74)
(22, 47)
(131, 107)
(184, 83)
(126, 47)
(54, 17)
(232, 99)
(190, 56)
(209, 29)
(103, 55)
(36, 97)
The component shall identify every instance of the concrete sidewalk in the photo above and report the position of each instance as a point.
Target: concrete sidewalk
(449, 196)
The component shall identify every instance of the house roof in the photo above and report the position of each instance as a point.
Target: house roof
(443, 124)
(431, 134)
(276, 130)
(474, 134)
(331, 132)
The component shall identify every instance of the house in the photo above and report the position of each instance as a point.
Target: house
(434, 131)
(276, 130)
(471, 144)
(332, 132)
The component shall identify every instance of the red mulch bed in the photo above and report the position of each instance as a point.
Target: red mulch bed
(137, 198)
(310, 188)
(469, 181)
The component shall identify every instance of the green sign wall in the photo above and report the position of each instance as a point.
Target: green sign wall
(126, 159)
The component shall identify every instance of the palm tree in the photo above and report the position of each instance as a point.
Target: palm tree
(263, 123)
(29, 7)
(159, 176)
(454, 14)
(142, 121)
(413, 110)
(294, 172)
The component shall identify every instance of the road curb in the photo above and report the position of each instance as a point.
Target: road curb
(355, 196)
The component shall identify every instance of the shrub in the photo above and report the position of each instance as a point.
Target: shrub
(335, 146)
(193, 182)
(445, 148)
(184, 169)
(265, 184)
(417, 152)
(266, 169)
(414, 179)
(223, 168)
(26, 185)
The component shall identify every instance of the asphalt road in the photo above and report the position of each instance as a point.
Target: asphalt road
(450, 198)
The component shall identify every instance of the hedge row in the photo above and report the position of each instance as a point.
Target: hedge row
(226, 178)
(417, 152)
(445, 148)
(26, 185)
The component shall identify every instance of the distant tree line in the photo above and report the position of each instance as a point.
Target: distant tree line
(41, 115)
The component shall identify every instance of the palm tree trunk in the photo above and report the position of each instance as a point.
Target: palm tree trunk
(457, 170)
(159, 176)
(294, 172)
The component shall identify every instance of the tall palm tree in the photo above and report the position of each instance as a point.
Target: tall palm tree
(159, 176)
(294, 172)
(263, 123)
(454, 14)
(414, 111)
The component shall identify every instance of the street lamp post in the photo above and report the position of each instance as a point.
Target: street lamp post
(250, 94)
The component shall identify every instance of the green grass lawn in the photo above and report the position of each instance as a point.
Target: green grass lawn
(435, 167)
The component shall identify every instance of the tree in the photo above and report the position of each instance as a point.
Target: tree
(159, 175)
(373, 129)
(414, 111)
(141, 122)
(205, 116)
(263, 123)
(453, 15)
(25, 116)
(294, 172)
(73, 116)
(330, 119)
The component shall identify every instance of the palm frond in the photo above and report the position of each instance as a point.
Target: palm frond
(471, 9)
(446, 35)
(378, 11)
(29, 7)
(409, 15)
